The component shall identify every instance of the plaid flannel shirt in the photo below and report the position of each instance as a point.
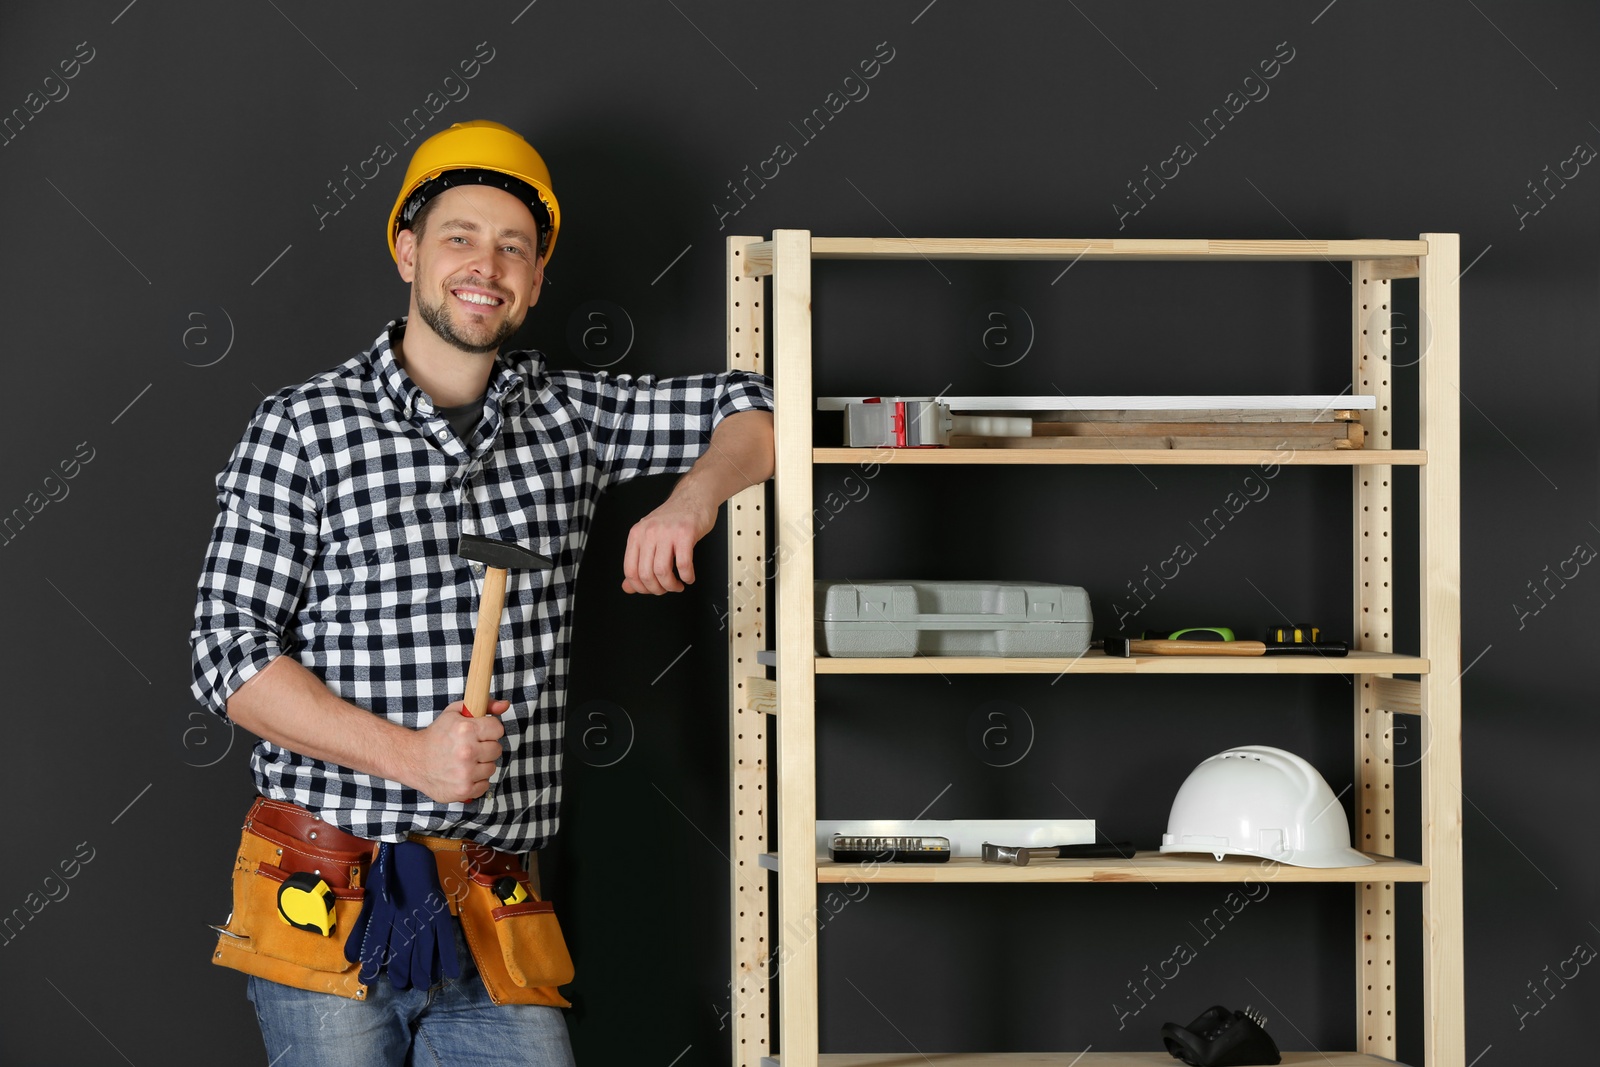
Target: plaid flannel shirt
(335, 543)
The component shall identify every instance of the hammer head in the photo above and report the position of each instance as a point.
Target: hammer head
(993, 853)
(507, 555)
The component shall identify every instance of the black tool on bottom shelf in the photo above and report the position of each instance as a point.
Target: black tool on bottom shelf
(1222, 1038)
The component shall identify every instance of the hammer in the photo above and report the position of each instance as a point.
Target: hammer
(497, 557)
(1018, 856)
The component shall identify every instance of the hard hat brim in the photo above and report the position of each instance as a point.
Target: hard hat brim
(1314, 858)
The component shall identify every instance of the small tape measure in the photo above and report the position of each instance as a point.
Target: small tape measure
(509, 890)
(1192, 633)
(306, 903)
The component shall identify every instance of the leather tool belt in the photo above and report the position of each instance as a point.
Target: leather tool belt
(517, 947)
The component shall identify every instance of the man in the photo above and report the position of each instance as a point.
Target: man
(335, 619)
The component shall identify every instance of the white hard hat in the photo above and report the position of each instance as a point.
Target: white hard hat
(1260, 801)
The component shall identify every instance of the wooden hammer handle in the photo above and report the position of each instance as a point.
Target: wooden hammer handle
(1181, 647)
(484, 641)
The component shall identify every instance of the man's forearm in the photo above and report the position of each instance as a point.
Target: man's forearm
(451, 760)
(661, 545)
(291, 707)
(738, 455)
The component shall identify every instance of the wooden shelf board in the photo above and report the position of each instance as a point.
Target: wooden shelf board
(1108, 248)
(1401, 259)
(1100, 663)
(1144, 867)
(1342, 457)
(1069, 1059)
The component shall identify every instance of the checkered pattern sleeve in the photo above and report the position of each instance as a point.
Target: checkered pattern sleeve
(647, 425)
(259, 560)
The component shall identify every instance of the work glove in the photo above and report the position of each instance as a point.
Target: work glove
(405, 923)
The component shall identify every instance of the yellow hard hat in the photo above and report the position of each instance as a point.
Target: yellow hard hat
(478, 152)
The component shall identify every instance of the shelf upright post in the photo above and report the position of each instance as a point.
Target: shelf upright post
(1439, 490)
(796, 756)
(1373, 619)
(749, 1001)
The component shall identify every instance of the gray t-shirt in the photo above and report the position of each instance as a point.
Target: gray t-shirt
(465, 418)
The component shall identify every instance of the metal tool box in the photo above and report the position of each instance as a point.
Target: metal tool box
(950, 618)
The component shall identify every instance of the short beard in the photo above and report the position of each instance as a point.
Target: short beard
(439, 322)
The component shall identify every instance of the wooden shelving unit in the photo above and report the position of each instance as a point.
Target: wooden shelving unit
(794, 870)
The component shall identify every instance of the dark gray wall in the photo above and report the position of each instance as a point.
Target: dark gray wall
(167, 263)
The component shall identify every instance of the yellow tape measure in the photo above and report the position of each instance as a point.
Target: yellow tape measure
(306, 902)
(509, 890)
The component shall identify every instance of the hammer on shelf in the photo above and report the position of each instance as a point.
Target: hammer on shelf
(1018, 855)
(497, 557)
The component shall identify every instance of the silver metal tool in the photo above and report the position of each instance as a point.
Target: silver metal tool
(1017, 855)
(1020, 855)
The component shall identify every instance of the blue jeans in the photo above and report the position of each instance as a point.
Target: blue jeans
(453, 1023)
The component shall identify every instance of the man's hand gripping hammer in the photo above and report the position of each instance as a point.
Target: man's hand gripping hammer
(497, 557)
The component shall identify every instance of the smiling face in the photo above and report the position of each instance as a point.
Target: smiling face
(474, 269)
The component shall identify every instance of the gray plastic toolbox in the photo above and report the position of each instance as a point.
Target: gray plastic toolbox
(912, 618)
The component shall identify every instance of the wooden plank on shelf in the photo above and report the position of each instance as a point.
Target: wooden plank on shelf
(1286, 430)
(1100, 663)
(1228, 416)
(1326, 441)
(1143, 867)
(1069, 1059)
(1150, 250)
(1277, 436)
(1192, 457)
(1217, 408)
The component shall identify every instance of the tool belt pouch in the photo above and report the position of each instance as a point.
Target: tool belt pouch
(518, 948)
(280, 841)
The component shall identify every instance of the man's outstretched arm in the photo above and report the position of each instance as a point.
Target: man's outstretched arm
(661, 545)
